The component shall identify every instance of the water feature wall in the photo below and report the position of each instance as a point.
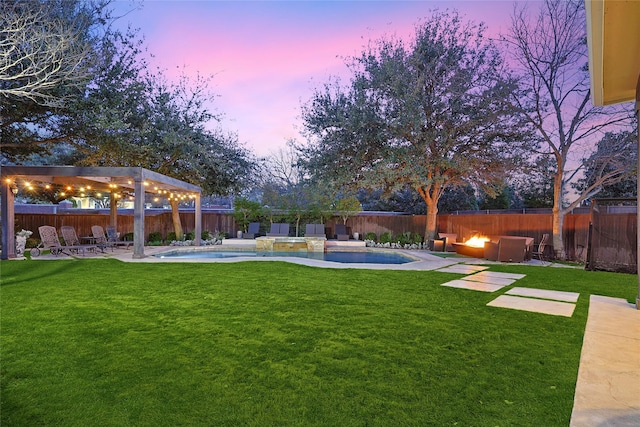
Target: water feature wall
(290, 244)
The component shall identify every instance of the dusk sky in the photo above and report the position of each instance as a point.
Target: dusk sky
(268, 56)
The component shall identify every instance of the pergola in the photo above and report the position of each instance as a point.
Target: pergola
(112, 180)
(613, 36)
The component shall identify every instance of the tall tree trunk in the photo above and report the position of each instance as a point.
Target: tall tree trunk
(431, 195)
(558, 212)
(432, 220)
(175, 218)
(558, 226)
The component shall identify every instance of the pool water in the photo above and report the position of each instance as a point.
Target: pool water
(362, 257)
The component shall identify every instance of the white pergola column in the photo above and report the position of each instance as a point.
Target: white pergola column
(138, 218)
(8, 221)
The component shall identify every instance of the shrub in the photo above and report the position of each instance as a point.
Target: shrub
(205, 235)
(155, 236)
(417, 238)
(171, 236)
(128, 237)
(371, 236)
(190, 235)
(386, 237)
(32, 242)
(404, 238)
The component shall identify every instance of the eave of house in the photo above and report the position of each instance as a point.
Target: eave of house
(613, 37)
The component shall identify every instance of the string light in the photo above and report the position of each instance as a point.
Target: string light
(69, 190)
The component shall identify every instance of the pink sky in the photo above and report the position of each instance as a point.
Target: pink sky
(268, 56)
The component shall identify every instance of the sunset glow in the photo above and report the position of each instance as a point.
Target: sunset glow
(267, 57)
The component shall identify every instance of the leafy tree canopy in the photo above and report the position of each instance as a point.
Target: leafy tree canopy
(431, 114)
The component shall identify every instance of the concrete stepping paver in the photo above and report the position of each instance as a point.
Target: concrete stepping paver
(554, 308)
(608, 386)
(545, 294)
(462, 269)
(500, 275)
(474, 286)
(489, 279)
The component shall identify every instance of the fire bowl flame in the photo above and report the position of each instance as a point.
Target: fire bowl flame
(473, 247)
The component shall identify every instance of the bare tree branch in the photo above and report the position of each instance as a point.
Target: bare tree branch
(40, 52)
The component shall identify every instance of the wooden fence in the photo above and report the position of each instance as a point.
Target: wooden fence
(576, 226)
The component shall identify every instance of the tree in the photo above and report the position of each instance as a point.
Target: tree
(431, 114)
(615, 160)
(404, 200)
(460, 198)
(165, 131)
(534, 186)
(346, 207)
(45, 46)
(550, 53)
(281, 167)
(246, 211)
(129, 116)
(502, 199)
(47, 54)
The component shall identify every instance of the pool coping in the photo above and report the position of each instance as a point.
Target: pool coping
(424, 259)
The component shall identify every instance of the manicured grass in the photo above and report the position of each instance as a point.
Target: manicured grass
(100, 342)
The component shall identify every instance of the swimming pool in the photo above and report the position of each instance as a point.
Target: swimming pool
(354, 257)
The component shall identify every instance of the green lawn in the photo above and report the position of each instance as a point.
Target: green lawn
(105, 343)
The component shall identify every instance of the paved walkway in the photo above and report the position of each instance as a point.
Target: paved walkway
(608, 387)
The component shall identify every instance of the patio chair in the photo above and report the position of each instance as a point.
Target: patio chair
(341, 232)
(542, 246)
(72, 242)
(507, 249)
(112, 237)
(314, 230)
(279, 230)
(49, 240)
(100, 238)
(448, 240)
(253, 231)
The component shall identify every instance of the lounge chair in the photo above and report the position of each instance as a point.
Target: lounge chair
(112, 237)
(100, 238)
(507, 249)
(72, 242)
(341, 232)
(314, 230)
(49, 240)
(253, 231)
(279, 230)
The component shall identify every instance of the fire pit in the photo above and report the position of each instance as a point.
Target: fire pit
(473, 247)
